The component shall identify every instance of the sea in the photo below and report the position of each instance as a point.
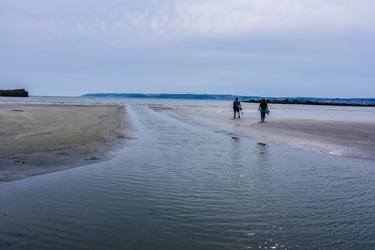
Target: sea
(178, 185)
(120, 97)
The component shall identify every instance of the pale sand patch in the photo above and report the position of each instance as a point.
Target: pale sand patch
(339, 137)
(38, 139)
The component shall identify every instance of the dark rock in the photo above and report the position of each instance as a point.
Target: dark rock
(14, 93)
(234, 138)
(93, 158)
(18, 161)
(308, 102)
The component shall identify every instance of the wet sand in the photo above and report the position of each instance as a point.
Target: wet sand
(334, 135)
(37, 139)
(184, 187)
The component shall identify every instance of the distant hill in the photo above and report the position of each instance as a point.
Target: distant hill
(368, 102)
(170, 96)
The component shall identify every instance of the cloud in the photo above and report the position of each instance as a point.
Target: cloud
(204, 45)
(123, 22)
(241, 17)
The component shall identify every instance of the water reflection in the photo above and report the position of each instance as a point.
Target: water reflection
(263, 154)
(179, 188)
(235, 150)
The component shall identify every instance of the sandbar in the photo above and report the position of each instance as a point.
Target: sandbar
(334, 132)
(37, 139)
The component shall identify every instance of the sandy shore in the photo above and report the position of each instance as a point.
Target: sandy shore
(38, 139)
(328, 134)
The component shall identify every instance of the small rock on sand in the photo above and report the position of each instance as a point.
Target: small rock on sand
(93, 158)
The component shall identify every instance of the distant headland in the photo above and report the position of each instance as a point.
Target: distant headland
(14, 93)
(167, 96)
(356, 102)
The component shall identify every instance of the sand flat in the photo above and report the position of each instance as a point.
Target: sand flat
(38, 139)
(334, 134)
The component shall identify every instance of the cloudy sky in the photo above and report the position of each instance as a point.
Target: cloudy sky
(250, 47)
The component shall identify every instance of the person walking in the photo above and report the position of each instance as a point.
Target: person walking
(263, 109)
(236, 108)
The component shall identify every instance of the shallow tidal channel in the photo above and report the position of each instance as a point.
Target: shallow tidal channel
(179, 186)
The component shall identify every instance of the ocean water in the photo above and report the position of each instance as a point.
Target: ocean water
(180, 186)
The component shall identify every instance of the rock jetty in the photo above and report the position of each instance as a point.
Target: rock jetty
(306, 102)
(14, 93)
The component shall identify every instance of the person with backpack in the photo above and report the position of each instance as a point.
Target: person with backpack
(263, 109)
(236, 108)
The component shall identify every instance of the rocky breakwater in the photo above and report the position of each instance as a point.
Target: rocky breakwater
(14, 93)
(309, 102)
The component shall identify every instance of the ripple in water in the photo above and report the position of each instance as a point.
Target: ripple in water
(183, 187)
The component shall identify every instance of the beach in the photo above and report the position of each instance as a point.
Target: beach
(120, 127)
(182, 185)
(191, 177)
(43, 138)
(335, 130)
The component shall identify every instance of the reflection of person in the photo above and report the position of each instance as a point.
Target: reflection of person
(262, 152)
(263, 108)
(236, 108)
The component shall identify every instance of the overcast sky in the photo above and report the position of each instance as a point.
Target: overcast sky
(250, 47)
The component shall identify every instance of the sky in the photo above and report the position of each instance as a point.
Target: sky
(247, 47)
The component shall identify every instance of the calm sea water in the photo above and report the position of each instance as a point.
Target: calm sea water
(178, 186)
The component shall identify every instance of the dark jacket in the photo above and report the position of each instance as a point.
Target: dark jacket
(236, 104)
